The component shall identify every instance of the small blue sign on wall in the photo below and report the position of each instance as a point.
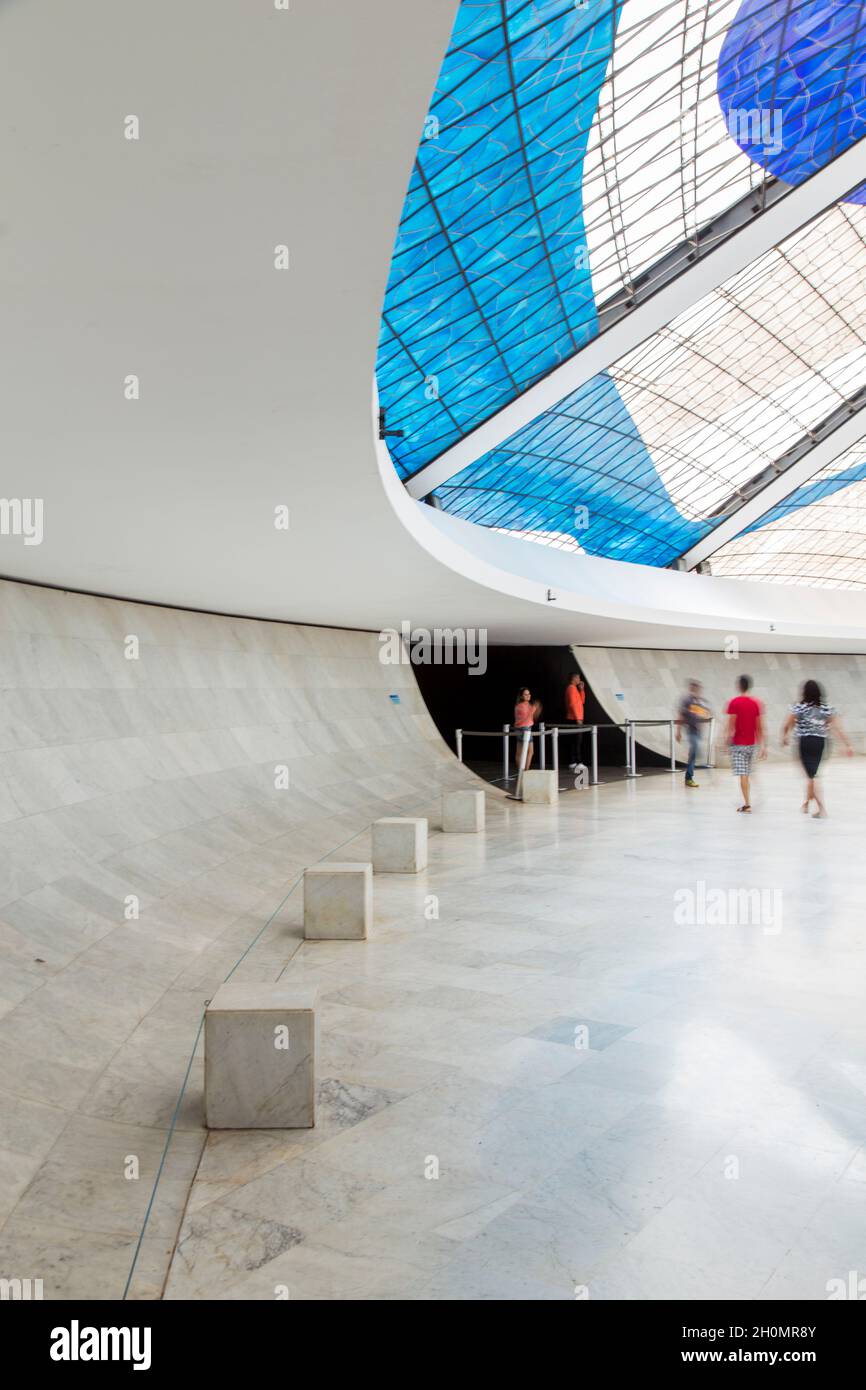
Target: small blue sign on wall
(619, 695)
(395, 699)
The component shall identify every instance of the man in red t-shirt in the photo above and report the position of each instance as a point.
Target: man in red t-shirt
(745, 735)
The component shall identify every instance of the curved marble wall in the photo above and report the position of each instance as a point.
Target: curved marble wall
(651, 682)
(152, 785)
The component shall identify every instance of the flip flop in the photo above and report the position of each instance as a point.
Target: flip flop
(744, 808)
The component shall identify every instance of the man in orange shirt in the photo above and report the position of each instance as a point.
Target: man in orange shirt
(575, 699)
(575, 702)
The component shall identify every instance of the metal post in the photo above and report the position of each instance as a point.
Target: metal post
(628, 745)
(711, 739)
(518, 790)
(631, 747)
(595, 755)
(708, 732)
(458, 734)
(555, 737)
(673, 745)
(506, 730)
(543, 741)
(520, 755)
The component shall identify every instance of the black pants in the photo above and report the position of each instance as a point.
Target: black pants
(575, 748)
(811, 753)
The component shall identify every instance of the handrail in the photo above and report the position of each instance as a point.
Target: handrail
(579, 728)
(492, 733)
(553, 731)
(645, 722)
(568, 728)
(543, 732)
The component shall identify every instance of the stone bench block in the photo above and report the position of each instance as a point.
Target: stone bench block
(463, 812)
(399, 845)
(259, 1057)
(540, 788)
(338, 902)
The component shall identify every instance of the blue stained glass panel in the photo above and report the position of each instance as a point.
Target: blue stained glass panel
(792, 83)
(584, 472)
(490, 285)
(804, 496)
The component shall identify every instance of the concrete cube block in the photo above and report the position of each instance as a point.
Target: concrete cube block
(463, 812)
(399, 845)
(540, 788)
(338, 902)
(259, 1057)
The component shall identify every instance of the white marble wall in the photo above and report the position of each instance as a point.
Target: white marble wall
(652, 683)
(156, 778)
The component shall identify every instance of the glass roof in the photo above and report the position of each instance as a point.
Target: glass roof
(817, 536)
(570, 145)
(644, 460)
(701, 103)
(490, 283)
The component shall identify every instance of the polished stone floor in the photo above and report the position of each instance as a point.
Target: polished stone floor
(614, 1050)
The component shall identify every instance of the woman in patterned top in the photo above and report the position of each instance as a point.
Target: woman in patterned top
(812, 721)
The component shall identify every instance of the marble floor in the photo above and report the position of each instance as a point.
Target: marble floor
(613, 1050)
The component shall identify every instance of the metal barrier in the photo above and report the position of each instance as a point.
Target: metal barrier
(672, 725)
(555, 731)
(635, 724)
(525, 741)
(552, 732)
(711, 745)
(628, 725)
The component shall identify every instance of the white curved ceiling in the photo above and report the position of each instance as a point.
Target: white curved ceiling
(155, 257)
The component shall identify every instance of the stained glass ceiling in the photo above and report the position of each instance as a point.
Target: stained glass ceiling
(817, 536)
(572, 149)
(644, 460)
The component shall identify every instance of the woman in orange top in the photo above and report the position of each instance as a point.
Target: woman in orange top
(526, 712)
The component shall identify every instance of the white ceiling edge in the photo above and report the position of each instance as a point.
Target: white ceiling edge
(613, 603)
(255, 389)
(741, 249)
